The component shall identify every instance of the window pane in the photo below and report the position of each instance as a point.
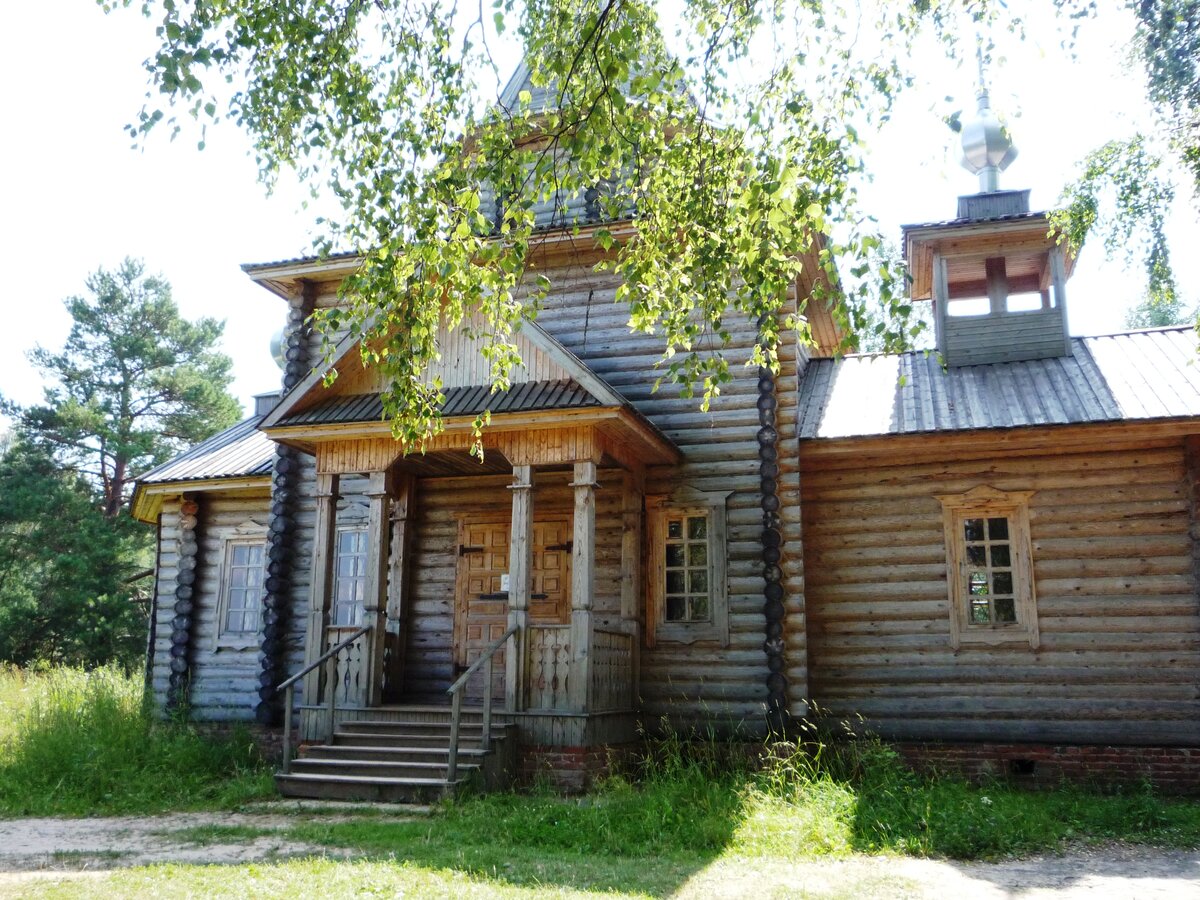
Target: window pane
(697, 554)
(237, 578)
(1006, 609)
(998, 529)
(676, 609)
(698, 581)
(976, 554)
(674, 554)
(256, 555)
(240, 555)
(675, 583)
(697, 527)
(978, 583)
(979, 612)
(700, 609)
(1001, 558)
(1002, 582)
(345, 566)
(973, 529)
(675, 528)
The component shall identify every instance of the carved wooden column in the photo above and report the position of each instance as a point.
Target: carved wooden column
(375, 589)
(520, 585)
(396, 627)
(583, 563)
(632, 504)
(324, 536)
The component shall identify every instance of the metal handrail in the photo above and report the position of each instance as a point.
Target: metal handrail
(456, 691)
(288, 686)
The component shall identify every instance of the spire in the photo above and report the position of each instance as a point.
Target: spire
(987, 147)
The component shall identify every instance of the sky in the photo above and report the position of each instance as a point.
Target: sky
(75, 196)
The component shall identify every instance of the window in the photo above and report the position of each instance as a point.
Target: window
(688, 594)
(350, 577)
(989, 567)
(242, 593)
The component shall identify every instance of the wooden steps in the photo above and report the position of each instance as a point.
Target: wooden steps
(387, 755)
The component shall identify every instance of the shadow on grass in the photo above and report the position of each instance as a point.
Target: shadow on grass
(649, 839)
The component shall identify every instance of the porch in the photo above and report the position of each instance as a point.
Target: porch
(421, 565)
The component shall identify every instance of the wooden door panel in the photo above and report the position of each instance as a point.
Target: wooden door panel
(479, 619)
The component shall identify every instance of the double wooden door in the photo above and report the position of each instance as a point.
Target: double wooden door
(481, 598)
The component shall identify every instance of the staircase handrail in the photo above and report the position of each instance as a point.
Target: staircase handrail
(288, 686)
(456, 694)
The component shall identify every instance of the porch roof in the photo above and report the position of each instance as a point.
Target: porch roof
(528, 396)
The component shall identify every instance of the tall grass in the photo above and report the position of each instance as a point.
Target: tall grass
(683, 802)
(78, 743)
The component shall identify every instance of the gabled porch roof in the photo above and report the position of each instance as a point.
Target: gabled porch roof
(553, 390)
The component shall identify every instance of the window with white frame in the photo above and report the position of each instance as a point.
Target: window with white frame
(990, 567)
(687, 584)
(242, 588)
(350, 577)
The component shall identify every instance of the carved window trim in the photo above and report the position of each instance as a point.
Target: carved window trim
(987, 503)
(240, 638)
(682, 505)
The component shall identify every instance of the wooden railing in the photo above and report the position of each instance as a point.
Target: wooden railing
(456, 697)
(329, 658)
(612, 670)
(547, 667)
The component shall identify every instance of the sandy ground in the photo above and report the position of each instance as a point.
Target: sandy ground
(39, 848)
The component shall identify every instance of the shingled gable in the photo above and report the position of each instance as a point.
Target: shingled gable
(552, 378)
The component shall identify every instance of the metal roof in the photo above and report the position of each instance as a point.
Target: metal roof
(460, 401)
(234, 453)
(950, 223)
(1132, 376)
(298, 260)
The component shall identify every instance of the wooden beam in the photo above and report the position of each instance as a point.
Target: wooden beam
(324, 536)
(375, 588)
(583, 578)
(520, 585)
(633, 499)
(398, 568)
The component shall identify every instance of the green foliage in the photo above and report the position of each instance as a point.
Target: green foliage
(686, 803)
(63, 569)
(1123, 194)
(85, 743)
(134, 384)
(739, 148)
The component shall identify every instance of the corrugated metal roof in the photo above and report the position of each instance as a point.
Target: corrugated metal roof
(947, 223)
(460, 401)
(234, 453)
(297, 260)
(1137, 375)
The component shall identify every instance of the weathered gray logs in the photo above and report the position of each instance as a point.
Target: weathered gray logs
(285, 485)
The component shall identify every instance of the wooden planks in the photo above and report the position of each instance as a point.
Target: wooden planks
(1116, 596)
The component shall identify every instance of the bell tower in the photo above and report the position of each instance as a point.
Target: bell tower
(995, 274)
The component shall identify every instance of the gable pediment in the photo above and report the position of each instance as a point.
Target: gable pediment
(461, 365)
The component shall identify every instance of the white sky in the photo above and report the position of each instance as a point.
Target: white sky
(75, 196)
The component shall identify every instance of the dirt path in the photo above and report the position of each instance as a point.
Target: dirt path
(32, 849)
(100, 844)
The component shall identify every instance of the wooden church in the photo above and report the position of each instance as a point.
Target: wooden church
(988, 552)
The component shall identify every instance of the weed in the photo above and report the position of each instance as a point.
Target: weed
(83, 743)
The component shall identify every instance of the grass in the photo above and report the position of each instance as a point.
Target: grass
(686, 810)
(84, 743)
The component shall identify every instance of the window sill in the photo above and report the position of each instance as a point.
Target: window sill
(238, 643)
(1017, 635)
(678, 633)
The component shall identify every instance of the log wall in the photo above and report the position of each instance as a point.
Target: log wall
(1119, 660)
(224, 674)
(702, 681)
